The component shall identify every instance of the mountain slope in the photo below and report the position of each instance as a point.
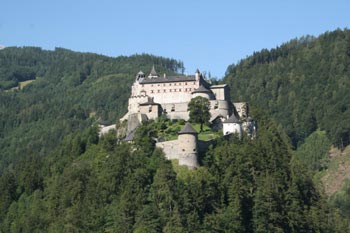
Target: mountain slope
(303, 84)
(68, 88)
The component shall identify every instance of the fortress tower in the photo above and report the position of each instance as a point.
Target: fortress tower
(188, 149)
(184, 149)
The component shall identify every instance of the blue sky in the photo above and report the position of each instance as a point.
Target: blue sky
(209, 35)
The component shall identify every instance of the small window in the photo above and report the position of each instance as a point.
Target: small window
(164, 90)
(183, 149)
(194, 149)
(185, 83)
(158, 91)
(152, 91)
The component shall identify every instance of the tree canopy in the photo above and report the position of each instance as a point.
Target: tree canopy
(199, 110)
(303, 84)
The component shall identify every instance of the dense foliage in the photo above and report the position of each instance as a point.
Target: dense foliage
(102, 185)
(303, 84)
(71, 91)
(199, 110)
(314, 152)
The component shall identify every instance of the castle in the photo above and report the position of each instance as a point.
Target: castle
(153, 96)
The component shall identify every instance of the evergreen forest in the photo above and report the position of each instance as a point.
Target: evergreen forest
(58, 175)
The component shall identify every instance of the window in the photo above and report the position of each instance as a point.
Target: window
(216, 105)
(158, 91)
(152, 91)
(186, 84)
(164, 90)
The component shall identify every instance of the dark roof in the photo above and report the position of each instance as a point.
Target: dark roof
(169, 79)
(153, 72)
(148, 103)
(188, 129)
(201, 89)
(197, 71)
(232, 119)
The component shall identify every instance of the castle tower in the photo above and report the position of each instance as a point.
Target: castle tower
(203, 92)
(153, 73)
(232, 125)
(140, 75)
(197, 74)
(188, 149)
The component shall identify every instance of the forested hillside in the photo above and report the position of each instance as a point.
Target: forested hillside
(68, 88)
(57, 175)
(303, 84)
(102, 185)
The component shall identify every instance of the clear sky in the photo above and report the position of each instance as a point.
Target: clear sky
(209, 35)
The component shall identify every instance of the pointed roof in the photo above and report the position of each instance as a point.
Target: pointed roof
(153, 72)
(140, 73)
(188, 129)
(201, 89)
(197, 71)
(233, 119)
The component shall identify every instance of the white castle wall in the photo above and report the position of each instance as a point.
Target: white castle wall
(232, 128)
(172, 92)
